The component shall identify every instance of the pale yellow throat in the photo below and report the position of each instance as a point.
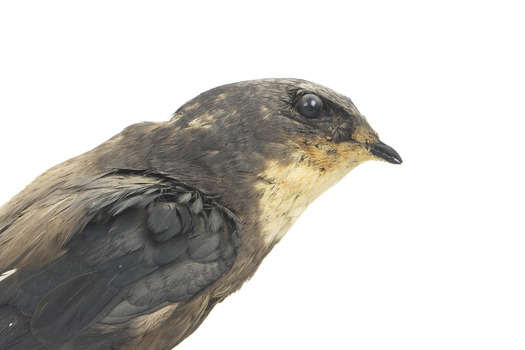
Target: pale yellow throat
(288, 189)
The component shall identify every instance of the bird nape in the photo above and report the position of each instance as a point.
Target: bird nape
(132, 244)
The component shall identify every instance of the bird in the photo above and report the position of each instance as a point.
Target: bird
(133, 243)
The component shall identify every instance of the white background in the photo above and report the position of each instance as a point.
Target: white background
(426, 255)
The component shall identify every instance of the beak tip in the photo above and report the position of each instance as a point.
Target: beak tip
(397, 159)
(385, 153)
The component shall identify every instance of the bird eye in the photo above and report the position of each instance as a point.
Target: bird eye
(310, 106)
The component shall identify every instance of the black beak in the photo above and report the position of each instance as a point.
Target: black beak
(385, 152)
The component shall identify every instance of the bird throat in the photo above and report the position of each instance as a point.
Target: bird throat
(288, 188)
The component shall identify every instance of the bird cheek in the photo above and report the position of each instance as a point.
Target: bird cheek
(353, 153)
(326, 155)
(317, 153)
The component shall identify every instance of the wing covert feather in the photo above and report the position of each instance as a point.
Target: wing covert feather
(161, 248)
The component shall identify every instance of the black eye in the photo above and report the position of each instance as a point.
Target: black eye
(310, 106)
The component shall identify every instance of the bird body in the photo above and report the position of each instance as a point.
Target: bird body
(132, 244)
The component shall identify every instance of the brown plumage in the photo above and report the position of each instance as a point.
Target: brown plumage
(133, 243)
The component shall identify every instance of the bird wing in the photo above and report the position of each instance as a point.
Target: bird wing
(138, 253)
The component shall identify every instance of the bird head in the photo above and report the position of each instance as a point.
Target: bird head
(296, 116)
(287, 140)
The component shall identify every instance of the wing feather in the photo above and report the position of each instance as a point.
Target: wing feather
(137, 254)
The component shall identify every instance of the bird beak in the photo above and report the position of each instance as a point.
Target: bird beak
(384, 152)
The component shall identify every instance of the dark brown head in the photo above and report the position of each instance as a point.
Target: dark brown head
(282, 111)
(287, 139)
